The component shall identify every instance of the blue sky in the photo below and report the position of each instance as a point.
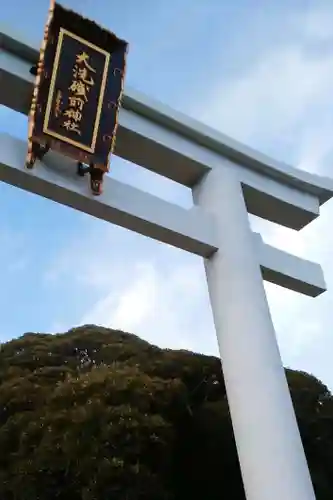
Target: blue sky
(258, 70)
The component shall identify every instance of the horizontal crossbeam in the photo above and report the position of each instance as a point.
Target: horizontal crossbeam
(175, 146)
(120, 204)
(189, 229)
(289, 271)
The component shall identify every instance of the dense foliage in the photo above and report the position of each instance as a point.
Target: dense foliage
(97, 414)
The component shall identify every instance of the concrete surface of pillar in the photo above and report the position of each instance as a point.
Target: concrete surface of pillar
(270, 450)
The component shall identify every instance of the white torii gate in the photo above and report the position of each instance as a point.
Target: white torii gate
(228, 180)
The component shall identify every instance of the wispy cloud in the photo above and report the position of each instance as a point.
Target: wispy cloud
(159, 294)
(315, 23)
(275, 101)
(130, 307)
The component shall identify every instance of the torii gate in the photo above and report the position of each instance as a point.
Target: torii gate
(228, 180)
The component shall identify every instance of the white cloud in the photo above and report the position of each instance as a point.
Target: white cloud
(160, 305)
(315, 145)
(316, 24)
(135, 284)
(127, 308)
(273, 96)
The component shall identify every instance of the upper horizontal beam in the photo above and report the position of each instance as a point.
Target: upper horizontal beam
(131, 208)
(175, 146)
(227, 147)
(194, 130)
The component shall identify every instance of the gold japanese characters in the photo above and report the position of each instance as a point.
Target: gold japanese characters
(79, 88)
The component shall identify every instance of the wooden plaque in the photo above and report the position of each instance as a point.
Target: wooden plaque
(78, 89)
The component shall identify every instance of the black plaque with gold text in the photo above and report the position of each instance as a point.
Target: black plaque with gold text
(78, 89)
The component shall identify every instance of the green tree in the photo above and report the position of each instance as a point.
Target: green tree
(96, 413)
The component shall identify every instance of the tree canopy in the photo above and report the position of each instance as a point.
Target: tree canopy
(98, 414)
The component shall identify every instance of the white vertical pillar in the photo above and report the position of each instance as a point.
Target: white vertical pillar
(269, 446)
